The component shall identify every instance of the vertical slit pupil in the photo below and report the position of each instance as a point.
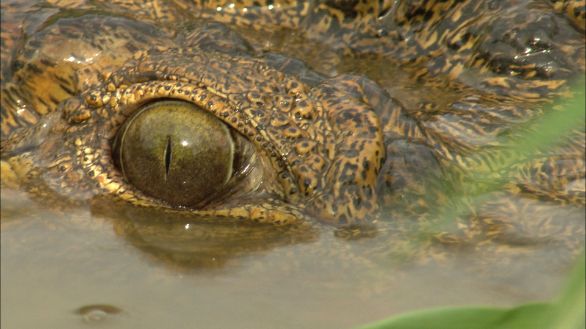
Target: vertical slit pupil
(168, 151)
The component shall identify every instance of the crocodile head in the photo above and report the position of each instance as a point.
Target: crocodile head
(103, 112)
(273, 147)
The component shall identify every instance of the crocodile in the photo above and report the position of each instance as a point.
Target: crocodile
(98, 97)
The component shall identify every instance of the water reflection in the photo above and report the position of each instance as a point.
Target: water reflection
(182, 242)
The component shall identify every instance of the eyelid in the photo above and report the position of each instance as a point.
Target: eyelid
(125, 99)
(255, 174)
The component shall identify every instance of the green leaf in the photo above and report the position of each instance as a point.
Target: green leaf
(567, 312)
(570, 310)
(528, 316)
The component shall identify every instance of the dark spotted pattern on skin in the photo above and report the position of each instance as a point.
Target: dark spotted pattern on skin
(524, 49)
(336, 148)
(281, 115)
(575, 11)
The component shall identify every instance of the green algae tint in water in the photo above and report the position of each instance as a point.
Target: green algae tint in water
(112, 268)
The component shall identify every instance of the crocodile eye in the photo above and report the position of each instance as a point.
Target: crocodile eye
(176, 152)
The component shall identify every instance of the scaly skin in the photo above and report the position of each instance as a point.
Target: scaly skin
(339, 148)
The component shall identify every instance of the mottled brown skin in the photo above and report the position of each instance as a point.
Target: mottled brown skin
(337, 148)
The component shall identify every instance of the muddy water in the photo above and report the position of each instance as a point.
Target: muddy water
(79, 270)
(107, 267)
